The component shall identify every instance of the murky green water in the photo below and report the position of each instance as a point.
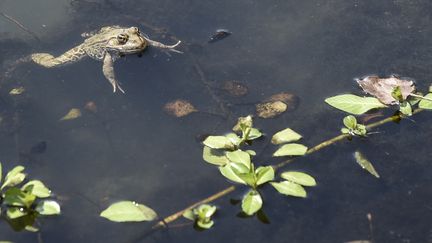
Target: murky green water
(131, 149)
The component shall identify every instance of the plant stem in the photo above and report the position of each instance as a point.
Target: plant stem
(314, 149)
(420, 97)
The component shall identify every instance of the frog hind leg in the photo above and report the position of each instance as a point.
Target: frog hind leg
(108, 71)
(48, 60)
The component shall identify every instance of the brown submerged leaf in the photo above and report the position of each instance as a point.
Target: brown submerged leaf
(382, 88)
(270, 109)
(91, 106)
(235, 88)
(179, 108)
(291, 100)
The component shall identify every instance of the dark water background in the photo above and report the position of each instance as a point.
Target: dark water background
(131, 149)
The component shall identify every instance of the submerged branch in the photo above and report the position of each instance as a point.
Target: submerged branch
(11, 19)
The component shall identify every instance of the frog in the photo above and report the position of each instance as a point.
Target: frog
(106, 45)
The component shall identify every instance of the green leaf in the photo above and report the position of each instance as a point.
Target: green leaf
(365, 163)
(299, 178)
(233, 138)
(15, 212)
(240, 157)
(14, 177)
(264, 174)
(189, 214)
(252, 202)
(248, 177)
(345, 130)
(291, 149)
(289, 188)
(405, 108)
(48, 207)
(254, 134)
(218, 142)
(5, 241)
(1, 173)
(350, 122)
(250, 152)
(228, 173)
(354, 104)
(285, 136)
(205, 211)
(360, 130)
(37, 188)
(426, 104)
(15, 197)
(128, 211)
(214, 156)
(397, 94)
(205, 224)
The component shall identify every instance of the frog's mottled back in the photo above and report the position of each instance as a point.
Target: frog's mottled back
(105, 45)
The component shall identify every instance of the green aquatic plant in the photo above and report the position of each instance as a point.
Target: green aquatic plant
(236, 165)
(22, 205)
(352, 127)
(201, 215)
(128, 211)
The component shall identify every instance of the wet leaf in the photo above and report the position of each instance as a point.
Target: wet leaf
(252, 202)
(179, 108)
(354, 104)
(189, 214)
(218, 142)
(128, 211)
(1, 173)
(405, 108)
(36, 188)
(365, 163)
(264, 174)
(48, 207)
(205, 211)
(15, 197)
(72, 114)
(289, 188)
(15, 212)
(383, 88)
(289, 99)
(270, 109)
(235, 88)
(17, 91)
(426, 104)
(205, 224)
(254, 134)
(299, 178)
(285, 136)
(14, 177)
(239, 156)
(233, 138)
(290, 149)
(214, 156)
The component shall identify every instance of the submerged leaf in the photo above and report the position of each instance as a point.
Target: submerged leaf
(354, 104)
(128, 211)
(365, 163)
(291, 149)
(179, 108)
(285, 136)
(252, 202)
(384, 88)
(17, 91)
(270, 109)
(72, 114)
(235, 88)
(299, 178)
(289, 188)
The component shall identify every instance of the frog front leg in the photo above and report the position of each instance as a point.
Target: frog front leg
(108, 71)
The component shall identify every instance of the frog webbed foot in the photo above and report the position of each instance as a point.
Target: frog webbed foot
(108, 71)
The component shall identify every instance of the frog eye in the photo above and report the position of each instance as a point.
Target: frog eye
(122, 38)
(136, 30)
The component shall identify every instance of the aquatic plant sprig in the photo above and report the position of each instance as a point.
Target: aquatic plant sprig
(21, 206)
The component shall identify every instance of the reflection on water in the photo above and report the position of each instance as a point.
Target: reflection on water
(131, 149)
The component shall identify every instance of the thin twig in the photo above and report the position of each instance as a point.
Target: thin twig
(420, 97)
(11, 19)
(314, 149)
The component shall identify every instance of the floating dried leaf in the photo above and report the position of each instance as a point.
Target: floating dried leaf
(179, 108)
(382, 88)
(91, 106)
(219, 35)
(270, 109)
(17, 91)
(235, 88)
(72, 114)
